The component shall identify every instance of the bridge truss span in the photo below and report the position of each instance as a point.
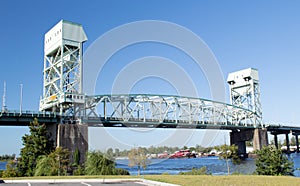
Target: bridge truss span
(145, 109)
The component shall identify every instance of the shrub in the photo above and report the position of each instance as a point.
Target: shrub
(98, 164)
(271, 161)
(194, 171)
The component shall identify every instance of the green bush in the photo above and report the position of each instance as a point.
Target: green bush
(271, 161)
(37, 143)
(194, 171)
(11, 170)
(98, 164)
(78, 171)
(119, 171)
(56, 163)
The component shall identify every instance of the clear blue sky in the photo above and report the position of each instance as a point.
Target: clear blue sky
(241, 34)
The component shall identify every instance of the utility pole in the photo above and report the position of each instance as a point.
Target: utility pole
(4, 108)
(21, 97)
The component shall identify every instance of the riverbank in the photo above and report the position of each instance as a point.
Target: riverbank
(214, 166)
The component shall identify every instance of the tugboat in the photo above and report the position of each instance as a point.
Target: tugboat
(183, 154)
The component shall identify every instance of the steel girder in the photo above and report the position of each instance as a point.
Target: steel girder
(248, 98)
(165, 109)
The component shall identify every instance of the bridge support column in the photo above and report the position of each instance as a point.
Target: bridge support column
(297, 142)
(260, 138)
(276, 141)
(52, 130)
(239, 139)
(287, 141)
(72, 137)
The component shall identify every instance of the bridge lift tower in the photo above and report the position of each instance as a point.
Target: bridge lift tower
(245, 92)
(62, 86)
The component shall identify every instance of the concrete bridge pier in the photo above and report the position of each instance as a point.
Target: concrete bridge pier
(287, 141)
(276, 140)
(297, 141)
(239, 138)
(71, 137)
(260, 138)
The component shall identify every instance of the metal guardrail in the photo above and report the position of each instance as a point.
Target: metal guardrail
(15, 113)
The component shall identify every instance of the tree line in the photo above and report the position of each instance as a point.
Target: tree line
(7, 157)
(114, 153)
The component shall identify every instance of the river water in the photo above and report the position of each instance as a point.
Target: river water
(213, 164)
(174, 166)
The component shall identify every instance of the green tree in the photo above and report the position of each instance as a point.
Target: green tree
(110, 153)
(56, 163)
(193, 149)
(271, 161)
(98, 164)
(62, 160)
(36, 144)
(76, 157)
(229, 152)
(137, 157)
(7, 157)
(117, 152)
(11, 169)
(76, 167)
(45, 166)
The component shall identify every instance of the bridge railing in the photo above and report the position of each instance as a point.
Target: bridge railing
(27, 113)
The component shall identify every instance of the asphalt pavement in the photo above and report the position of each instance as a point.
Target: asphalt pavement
(84, 182)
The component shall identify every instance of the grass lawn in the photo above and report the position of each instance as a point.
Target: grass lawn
(226, 180)
(194, 180)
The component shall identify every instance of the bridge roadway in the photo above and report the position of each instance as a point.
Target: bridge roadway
(15, 118)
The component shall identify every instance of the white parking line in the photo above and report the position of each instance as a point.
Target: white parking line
(28, 184)
(85, 184)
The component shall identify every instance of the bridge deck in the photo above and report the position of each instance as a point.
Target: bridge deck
(149, 123)
(16, 118)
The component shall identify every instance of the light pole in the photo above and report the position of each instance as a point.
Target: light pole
(21, 97)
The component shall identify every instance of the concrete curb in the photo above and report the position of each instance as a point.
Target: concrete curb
(157, 183)
(103, 180)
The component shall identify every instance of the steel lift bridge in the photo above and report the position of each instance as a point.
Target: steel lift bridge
(71, 111)
(63, 94)
(164, 111)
